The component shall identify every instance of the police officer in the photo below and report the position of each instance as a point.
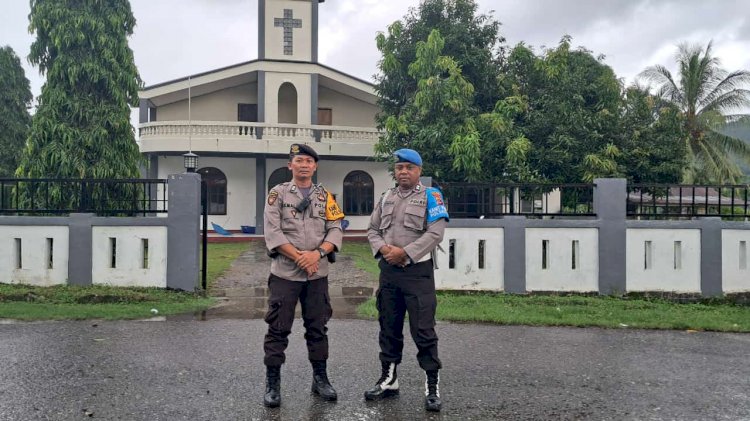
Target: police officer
(405, 227)
(302, 226)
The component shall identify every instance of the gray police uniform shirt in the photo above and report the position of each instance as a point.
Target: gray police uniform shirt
(307, 230)
(400, 220)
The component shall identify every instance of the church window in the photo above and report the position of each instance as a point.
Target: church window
(281, 175)
(216, 190)
(359, 193)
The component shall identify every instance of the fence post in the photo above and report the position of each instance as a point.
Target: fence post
(711, 255)
(514, 254)
(183, 230)
(610, 205)
(80, 249)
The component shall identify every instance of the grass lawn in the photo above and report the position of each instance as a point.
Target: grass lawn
(220, 257)
(24, 302)
(610, 312)
(362, 255)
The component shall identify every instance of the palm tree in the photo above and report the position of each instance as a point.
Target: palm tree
(707, 95)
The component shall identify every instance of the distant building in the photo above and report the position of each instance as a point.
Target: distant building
(242, 119)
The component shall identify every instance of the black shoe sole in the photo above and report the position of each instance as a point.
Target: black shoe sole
(271, 404)
(386, 394)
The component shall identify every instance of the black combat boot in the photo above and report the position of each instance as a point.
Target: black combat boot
(432, 400)
(320, 384)
(272, 398)
(387, 385)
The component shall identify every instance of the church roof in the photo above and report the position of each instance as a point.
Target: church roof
(242, 73)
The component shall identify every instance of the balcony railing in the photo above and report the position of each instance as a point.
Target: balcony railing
(239, 129)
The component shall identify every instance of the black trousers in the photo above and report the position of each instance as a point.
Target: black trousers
(410, 289)
(316, 311)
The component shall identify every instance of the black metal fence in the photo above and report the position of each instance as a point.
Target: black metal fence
(485, 200)
(660, 201)
(46, 196)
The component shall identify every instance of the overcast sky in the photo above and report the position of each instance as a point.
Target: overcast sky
(174, 38)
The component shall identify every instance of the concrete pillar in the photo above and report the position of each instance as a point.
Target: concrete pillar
(711, 253)
(610, 205)
(514, 254)
(79, 249)
(183, 231)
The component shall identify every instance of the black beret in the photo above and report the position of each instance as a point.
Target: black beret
(302, 149)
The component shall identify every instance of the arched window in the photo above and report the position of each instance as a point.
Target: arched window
(216, 188)
(281, 175)
(287, 101)
(359, 193)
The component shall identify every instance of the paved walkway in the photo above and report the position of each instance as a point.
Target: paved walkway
(212, 370)
(243, 287)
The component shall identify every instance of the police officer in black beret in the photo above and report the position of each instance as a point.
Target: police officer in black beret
(302, 227)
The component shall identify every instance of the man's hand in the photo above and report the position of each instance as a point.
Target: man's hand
(395, 256)
(308, 261)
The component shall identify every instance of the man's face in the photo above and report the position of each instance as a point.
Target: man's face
(407, 174)
(303, 167)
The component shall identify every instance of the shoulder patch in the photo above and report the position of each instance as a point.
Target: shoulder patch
(333, 213)
(435, 205)
(272, 196)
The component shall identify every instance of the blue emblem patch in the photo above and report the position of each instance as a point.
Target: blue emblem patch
(435, 205)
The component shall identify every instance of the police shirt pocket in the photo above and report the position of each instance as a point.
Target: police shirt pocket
(386, 216)
(414, 217)
(289, 219)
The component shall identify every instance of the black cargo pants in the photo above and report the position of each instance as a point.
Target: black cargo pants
(316, 311)
(411, 289)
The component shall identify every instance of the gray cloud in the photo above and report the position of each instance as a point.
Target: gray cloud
(174, 38)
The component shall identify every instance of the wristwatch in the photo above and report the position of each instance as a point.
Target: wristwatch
(322, 252)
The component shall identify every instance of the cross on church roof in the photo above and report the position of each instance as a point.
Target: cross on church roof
(288, 23)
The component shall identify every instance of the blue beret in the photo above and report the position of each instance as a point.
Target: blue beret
(408, 155)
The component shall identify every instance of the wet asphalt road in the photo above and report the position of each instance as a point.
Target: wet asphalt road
(212, 370)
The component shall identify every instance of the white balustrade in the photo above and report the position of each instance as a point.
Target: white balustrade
(226, 129)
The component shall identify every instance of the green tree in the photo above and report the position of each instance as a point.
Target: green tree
(438, 118)
(653, 144)
(472, 43)
(706, 94)
(15, 101)
(81, 128)
(574, 104)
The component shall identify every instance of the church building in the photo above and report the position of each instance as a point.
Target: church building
(241, 121)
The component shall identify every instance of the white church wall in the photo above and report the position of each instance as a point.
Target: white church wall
(302, 36)
(663, 260)
(347, 111)
(735, 262)
(332, 173)
(32, 266)
(302, 84)
(216, 106)
(240, 173)
(135, 265)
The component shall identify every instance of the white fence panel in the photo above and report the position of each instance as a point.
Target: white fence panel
(34, 255)
(472, 269)
(562, 259)
(663, 260)
(735, 261)
(129, 256)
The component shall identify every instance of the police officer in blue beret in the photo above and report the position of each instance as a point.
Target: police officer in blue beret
(405, 227)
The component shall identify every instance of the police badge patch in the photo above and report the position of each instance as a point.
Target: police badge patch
(272, 196)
